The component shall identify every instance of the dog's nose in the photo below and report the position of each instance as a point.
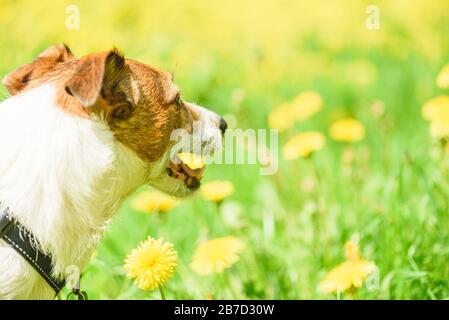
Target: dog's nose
(223, 125)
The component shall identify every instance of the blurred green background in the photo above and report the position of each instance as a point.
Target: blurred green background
(242, 59)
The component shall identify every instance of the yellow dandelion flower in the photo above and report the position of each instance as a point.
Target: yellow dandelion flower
(302, 107)
(193, 161)
(352, 251)
(439, 129)
(151, 264)
(303, 145)
(282, 117)
(349, 274)
(306, 104)
(217, 191)
(443, 78)
(347, 130)
(216, 255)
(151, 201)
(436, 108)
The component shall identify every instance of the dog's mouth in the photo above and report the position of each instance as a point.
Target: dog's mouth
(188, 168)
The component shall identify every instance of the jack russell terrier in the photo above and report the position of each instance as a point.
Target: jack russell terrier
(77, 136)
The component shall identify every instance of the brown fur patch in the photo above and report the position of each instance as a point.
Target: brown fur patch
(147, 131)
(22, 77)
(137, 101)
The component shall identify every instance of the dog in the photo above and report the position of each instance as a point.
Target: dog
(77, 136)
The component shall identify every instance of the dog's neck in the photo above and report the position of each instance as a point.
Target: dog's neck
(63, 176)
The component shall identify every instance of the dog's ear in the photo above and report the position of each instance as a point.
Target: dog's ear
(94, 75)
(17, 80)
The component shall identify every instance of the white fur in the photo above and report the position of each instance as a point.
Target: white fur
(63, 177)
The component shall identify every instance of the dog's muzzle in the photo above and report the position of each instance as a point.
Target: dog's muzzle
(204, 141)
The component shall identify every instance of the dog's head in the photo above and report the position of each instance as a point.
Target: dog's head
(141, 105)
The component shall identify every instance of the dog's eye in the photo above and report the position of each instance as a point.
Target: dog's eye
(178, 100)
(122, 112)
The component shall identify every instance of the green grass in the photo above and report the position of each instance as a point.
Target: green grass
(393, 197)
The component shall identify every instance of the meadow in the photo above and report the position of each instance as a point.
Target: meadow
(384, 193)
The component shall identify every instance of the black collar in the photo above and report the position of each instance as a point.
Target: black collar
(24, 242)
